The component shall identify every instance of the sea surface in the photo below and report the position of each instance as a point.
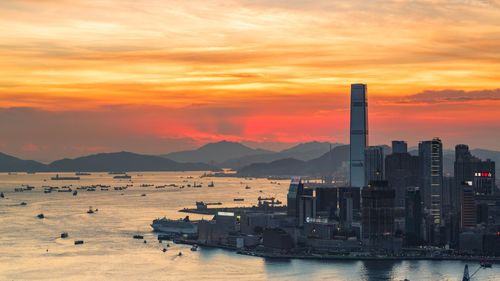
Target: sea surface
(30, 248)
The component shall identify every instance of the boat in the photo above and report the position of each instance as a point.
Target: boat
(247, 187)
(58, 178)
(486, 264)
(1, 195)
(47, 190)
(64, 235)
(82, 174)
(75, 193)
(179, 254)
(90, 211)
(90, 188)
(23, 203)
(40, 216)
(78, 242)
(162, 237)
(238, 199)
(65, 190)
(144, 194)
(211, 184)
(18, 189)
(179, 227)
(122, 177)
(194, 248)
(196, 185)
(138, 236)
(116, 173)
(104, 189)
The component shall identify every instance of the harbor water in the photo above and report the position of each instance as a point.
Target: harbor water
(31, 248)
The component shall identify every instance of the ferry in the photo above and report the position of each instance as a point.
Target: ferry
(122, 177)
(181, 226)
(58, 178)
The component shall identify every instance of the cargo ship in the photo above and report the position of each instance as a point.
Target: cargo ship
(122, 177)
(179, 227)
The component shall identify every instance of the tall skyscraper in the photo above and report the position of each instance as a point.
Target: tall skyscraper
(358, 134)
(295, 192)
(401, 171)
(377, 211)
(374, 164)
(431, 176)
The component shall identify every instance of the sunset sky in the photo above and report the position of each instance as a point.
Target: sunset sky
(154, 76)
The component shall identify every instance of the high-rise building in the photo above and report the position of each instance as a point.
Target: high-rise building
(377, 211)
(326, 201)
(399, 147)
(295, 192)
(484, 178)
(468, 208)
(358, 134)
(346, 209)
(430, 155)
(413, 217)
(374, 163)
(401, 171)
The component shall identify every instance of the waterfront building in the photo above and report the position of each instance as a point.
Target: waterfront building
(413, 217)
(346, 210)
(352, 192)
(374, 163)
(401, 171)
(431, 176)
(295, 192)
(326, 201)
(307, 209)
(377, 211)
(358, 134)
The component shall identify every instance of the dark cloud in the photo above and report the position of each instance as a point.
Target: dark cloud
(447, 96)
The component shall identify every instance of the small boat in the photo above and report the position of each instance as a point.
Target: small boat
(164, 250)
(211, 184)
(1, 195)
(238, 199)
(82, 174)
(78, 242)
(138, 236)
(23, 203)
(90, 211)
(145, 242)
(40, 216)
(247, 187)
(75, 193)
(179, 254)
(64, 235)
(194, 248)
(144, 194)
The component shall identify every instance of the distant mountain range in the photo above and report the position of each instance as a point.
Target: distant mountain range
(235, 155)
(215, 153)
(102, 162)
(312, 158)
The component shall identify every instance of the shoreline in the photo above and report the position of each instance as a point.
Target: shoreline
(339, 258)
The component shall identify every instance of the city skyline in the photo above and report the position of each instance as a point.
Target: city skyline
(154, 78)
